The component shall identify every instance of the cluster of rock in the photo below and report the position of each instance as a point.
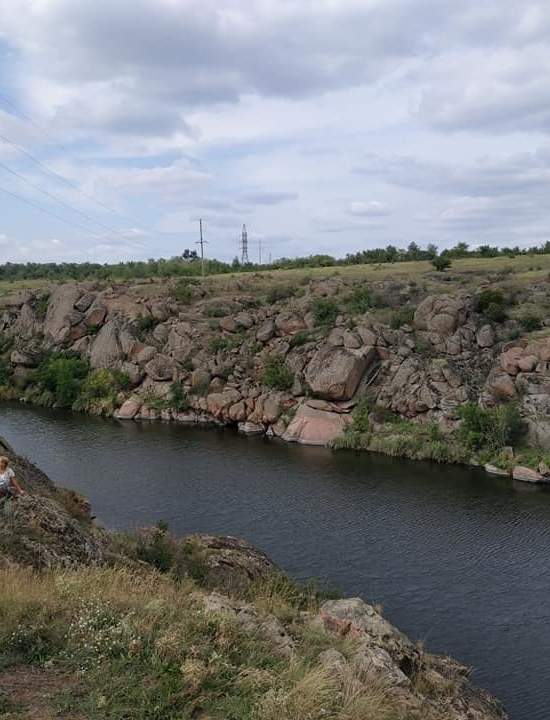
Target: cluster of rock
(216, 348)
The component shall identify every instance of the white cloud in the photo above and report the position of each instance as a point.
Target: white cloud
(325, 125)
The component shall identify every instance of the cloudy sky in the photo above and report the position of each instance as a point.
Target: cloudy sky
(324, 125)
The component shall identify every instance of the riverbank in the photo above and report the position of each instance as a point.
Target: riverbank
(113, 608)
(448, 367)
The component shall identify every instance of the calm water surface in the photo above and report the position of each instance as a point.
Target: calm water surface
(458, 559)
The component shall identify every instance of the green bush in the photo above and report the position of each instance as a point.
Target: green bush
(276, 374)
(300, 338)
(214, 311)
(143, 326)
(361, 416)
(183, 290)
(492, 304)
(441, 263)
(41, 306)
(101, 384)
(325, 311)
(279, 292)
(5, 372)
(223, 344)
(490, 429)
(62, 376)
(359, 301)
(6, 343)
(403, 316)
(178, 397)
(530, 323)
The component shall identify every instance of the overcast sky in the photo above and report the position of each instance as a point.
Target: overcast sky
(325, 125)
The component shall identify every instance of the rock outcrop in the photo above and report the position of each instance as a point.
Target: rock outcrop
(205, 362)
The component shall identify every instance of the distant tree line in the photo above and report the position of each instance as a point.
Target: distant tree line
(189, 264)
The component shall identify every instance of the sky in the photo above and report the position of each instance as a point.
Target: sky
(327, 126)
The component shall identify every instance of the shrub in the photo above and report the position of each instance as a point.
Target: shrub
(279, 292)
(530, 323)
(6, 343)
(490, 429)
(178, 397)
(325, 311)
(441, 263)
(183, 292)
(63, 376)
(143, 325)
(223, 344)
(5, 372)
(300, 338)
(361, 416)
(276, 374)
(359, 301)
(41, 306)
(214, 311)
(403, 316)
(492, 304)
(103, 385)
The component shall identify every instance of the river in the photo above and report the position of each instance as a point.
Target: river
(458, 559)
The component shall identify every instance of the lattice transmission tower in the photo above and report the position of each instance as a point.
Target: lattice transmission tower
(244, 247)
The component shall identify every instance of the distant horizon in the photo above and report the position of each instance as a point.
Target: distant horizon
(325, 127)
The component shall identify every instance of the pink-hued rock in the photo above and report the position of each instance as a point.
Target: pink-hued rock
(502, 387)
(315, 427)
(60, 309)
(509, 360)
(128, 410)
(527, 363)
(335, 372)
(526, 474)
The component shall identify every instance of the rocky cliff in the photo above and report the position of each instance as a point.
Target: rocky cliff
(296, 362)
(152, 626)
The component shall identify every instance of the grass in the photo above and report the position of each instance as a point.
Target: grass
(142, 646)
(522, 269)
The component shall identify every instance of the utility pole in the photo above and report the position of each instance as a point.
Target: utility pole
(202, 242)
(260, 249)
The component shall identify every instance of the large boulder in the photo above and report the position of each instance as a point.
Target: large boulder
(106, 351)
(228, 563)
(334, 373)
(60, 311)
(41, 533)
(312, 426)
(161, 368)
(441, 314)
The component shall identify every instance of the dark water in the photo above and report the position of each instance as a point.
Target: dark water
(458, 559)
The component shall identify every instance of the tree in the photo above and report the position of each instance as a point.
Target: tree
(431, 251)
(441, 263)
(414, 252)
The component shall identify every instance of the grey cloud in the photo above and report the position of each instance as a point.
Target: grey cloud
(265, 197)
(525, 172)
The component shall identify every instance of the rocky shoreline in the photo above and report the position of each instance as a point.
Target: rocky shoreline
(296, 363)
(363, 663)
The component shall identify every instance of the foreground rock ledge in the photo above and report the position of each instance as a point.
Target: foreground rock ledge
(52, 528)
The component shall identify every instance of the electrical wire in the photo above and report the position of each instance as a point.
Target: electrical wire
(49, 212)
(60, 201)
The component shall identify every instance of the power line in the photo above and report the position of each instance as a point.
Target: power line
(36, 126)
(49, 212)
(69, 183)
(60, 201)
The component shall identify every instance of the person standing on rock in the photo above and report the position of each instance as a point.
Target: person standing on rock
(8, 482)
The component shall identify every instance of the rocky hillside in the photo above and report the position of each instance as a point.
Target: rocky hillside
(395, 367)
(148, 626)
